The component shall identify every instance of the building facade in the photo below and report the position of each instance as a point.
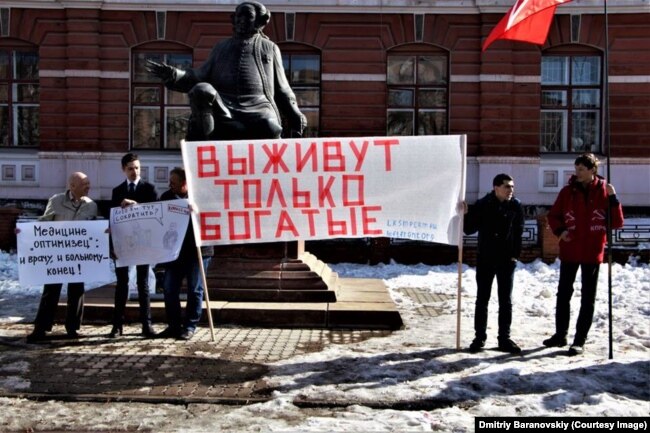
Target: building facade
(74, 94)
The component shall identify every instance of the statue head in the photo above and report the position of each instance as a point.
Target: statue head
(249, 18)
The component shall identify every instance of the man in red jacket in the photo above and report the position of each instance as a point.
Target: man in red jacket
(579, 219)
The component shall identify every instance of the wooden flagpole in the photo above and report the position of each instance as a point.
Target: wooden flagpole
(199, 255)
(460, 238)
(206, 296)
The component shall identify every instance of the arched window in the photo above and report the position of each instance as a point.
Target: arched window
(571, 101)
(159, 116)
(418, 91)
(19, 96)
(302, 68)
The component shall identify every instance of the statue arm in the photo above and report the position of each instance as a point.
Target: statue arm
(285, 98)
(173, 78)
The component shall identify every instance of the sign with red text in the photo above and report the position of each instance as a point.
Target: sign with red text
(63, 252)
(252, 191)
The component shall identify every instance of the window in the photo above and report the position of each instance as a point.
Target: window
(19, 98)
(571, 103)
(418, 89)
(303, 73)
(159, 115)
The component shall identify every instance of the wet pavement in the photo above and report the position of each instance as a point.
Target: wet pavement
(232, 369)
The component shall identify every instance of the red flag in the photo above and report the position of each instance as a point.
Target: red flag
(526, 21)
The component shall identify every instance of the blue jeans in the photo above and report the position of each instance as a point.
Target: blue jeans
(174, 274)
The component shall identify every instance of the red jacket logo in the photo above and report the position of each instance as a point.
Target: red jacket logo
(598, 215)
(569, 219)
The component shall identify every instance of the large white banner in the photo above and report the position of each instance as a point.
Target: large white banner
(149, 233)
(63, 252)
(321, 188)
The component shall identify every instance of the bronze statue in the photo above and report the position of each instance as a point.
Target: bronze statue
(241, 90)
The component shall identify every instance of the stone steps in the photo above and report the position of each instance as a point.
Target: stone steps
(360, 304)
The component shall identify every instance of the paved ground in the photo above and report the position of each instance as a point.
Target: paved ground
(231, 369)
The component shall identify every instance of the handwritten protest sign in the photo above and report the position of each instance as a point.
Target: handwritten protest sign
(320, 188)
(63, 252)
(149, 233)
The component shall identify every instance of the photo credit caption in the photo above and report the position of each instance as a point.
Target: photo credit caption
(587, 424)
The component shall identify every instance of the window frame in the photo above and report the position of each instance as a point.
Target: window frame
(416, 53)
(11, 104)
(565, 95)
(165, 102)
(294, 51)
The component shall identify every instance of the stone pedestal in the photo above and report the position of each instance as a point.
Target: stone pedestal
(271, 272)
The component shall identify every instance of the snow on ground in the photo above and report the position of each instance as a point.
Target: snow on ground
(412, 380)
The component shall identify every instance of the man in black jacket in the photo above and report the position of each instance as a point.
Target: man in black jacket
(132, 191)
(498, 217)
(185, 266)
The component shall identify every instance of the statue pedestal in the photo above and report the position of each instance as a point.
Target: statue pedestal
(265, 273)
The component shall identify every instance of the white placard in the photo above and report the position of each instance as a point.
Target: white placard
(149, 233)
(63, 252)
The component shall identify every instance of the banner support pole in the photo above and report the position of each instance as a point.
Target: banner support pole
(460, 239)
(206, 296)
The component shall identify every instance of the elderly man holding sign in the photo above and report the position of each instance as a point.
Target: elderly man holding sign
(72, 205)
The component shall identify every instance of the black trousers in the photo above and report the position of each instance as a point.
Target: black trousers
(568, 272)
(504, 272)
(122, 294)
(49, 301)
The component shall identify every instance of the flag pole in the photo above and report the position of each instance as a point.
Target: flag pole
(607, 143)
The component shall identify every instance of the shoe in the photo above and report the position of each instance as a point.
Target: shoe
(148, 331)
(555, 341)
(186, 335)
(72, 334)
(509, 346)
(477, 345)
(35, 336)
(115, 331)
(576, 350)
(169, 333)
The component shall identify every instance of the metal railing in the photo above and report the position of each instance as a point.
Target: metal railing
(631, 235)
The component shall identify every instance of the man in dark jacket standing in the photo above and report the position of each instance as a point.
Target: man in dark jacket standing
(498, 217)
(132, 191)
(579, 219)
(185, 266)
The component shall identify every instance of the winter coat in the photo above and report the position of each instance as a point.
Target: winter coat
(500, 225)
(583, 213)
(61, 208)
